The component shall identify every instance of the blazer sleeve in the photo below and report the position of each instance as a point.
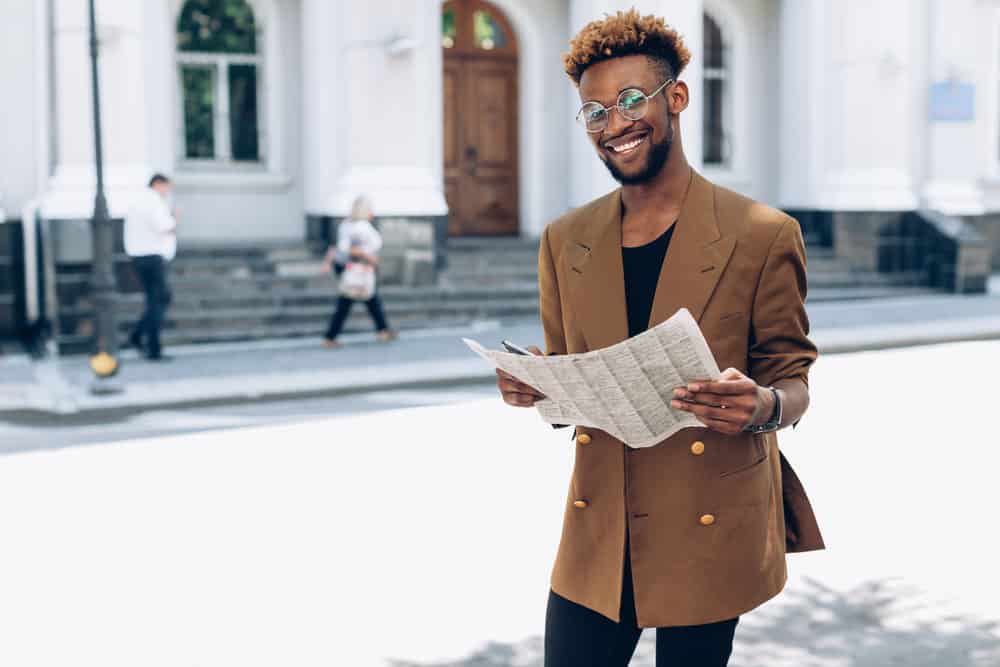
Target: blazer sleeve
(780, 347)
(549, 303)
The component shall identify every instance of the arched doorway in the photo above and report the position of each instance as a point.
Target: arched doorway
(480, 119)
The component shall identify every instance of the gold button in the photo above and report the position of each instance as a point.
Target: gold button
(583, 439)
(580, 504)
(707, 519)
(698, 448)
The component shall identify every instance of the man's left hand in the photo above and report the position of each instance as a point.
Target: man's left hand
(726, 405)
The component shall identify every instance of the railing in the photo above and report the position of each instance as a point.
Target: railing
(41, 298)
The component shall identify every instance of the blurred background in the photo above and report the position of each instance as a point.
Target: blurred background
(244, 503)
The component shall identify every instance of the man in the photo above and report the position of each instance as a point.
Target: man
(151, 242)
(688, 535)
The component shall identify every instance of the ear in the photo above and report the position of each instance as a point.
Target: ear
(677, 97)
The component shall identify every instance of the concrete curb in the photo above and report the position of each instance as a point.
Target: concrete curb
(23, 400)
(886, 336)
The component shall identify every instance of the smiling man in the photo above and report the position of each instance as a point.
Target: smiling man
(688, 535)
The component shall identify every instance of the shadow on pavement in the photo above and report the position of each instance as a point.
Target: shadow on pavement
(877, 624)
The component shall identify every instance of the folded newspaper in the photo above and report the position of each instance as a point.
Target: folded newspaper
(624, 389)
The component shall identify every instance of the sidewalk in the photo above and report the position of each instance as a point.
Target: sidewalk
(235, 372)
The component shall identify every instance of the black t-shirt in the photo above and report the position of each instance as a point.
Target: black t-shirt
(642, 266)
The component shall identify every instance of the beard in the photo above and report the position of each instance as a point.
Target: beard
(658, 154)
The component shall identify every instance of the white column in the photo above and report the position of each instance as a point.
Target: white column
(850, 85)
(373, 107)
(957, 31)
(589, 177)
(132, 117)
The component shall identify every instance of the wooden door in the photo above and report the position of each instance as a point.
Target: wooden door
(480, 115)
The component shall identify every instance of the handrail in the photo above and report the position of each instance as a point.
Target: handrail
(29, 238)
(41, 306)
(51, 289)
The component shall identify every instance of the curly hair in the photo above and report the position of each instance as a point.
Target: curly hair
(624, 34)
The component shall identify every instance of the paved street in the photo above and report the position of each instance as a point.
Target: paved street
(423, 536)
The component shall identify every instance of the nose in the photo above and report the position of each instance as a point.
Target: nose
(617, 124)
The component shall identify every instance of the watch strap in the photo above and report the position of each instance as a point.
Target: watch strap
(774, 422)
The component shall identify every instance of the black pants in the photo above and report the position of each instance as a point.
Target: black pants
(152, 271)
(579, 637)
(343, 310)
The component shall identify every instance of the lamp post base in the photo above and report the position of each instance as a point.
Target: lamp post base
(106, 386)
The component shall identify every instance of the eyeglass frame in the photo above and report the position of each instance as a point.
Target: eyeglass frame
(618, 105)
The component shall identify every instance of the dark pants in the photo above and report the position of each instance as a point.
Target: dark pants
(152, 272)
(343, 310)
(578, 637)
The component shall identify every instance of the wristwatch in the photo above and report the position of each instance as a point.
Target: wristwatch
(771, 424)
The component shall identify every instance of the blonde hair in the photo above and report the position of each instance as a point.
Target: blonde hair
(624, 34)
(361, 209)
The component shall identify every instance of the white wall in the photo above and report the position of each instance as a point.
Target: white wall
(244, 207)
(22, 86)
(849, 81)
(373, 117)
(750, 30)
(545, 114)
(961, 47)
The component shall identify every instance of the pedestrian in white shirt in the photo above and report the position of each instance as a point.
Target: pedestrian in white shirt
(151, 242)
(356, 258)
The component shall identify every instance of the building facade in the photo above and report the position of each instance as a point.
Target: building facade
(271, 115)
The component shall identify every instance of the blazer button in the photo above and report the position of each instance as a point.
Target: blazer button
(583, 439)
(698, 448)
(580, 504)
(707, 519)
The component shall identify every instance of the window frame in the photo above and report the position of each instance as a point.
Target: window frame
(223, 163)
(724, 75)
(733, 27)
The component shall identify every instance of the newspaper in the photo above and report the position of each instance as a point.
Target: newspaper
(624, 389)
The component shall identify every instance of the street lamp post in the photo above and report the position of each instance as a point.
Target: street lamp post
(104, 362)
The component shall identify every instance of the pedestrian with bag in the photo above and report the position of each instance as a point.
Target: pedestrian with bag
(354, 257)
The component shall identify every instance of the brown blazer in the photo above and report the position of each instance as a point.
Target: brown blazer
(739, 267)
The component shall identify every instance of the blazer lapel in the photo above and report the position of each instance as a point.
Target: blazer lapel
(597, 280)
(696, 258)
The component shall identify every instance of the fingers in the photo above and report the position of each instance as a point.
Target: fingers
(733, 387)
(519, 400)
(535, 350)
(727, 428)
(728, 414)
(512, 383)
(515, 392)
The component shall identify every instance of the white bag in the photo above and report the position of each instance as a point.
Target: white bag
(358, 281)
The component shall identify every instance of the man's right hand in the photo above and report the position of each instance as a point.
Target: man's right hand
(515, 392)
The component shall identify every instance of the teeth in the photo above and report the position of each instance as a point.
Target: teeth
(627, 147)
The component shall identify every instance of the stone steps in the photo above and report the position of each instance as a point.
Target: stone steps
(223, 294)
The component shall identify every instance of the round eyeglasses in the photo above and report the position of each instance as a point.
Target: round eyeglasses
(632, 105)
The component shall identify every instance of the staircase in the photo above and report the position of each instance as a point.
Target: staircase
(232, 294)
(246, 294)
(832, 279)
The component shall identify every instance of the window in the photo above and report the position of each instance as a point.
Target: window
(716, 129)
(470, 27)
(219, 70)
(448, 30)
(488, 33)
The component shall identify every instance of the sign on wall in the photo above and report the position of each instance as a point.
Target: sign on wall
(952, 101)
